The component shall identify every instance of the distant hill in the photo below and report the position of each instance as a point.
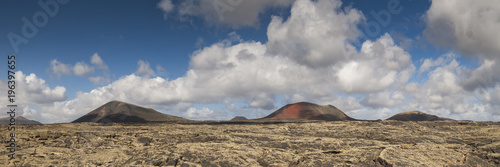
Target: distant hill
(116, 111)
(239, 118)
(305, 110)
(416, 116)
(20, 120)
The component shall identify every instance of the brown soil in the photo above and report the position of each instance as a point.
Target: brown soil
(257, 143)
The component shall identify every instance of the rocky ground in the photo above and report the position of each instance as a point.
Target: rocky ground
(318, 143)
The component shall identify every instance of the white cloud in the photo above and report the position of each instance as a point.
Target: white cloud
(234, 13)
(31, 90)
(97, 61)
(442, 89)
(82, 69)
(496, 95)
(317, 34)
(345, 104)
(470, 27)
(144, 69)
(370, 83)
(486, 76)
(383, 99)
(199, 42)
(201, 113)
(99, 80)
(238, 69)
(380, 64)
(263, 101)
(166, 5)
(160, 70)
(59, 69)
(372, 113)
(226, 71)
(430, 63)
(443, 95)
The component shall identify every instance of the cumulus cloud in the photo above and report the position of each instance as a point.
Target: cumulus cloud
(470, 27)
(235, 13)
(234, 75)
(370, 83)
(99, 80)
(493, 97)
(317, 34)
(31, 90)
(380, 64)
(166, 5)
(199, 113)
(443, 95)
(144, 69)
(383, 99)
(235, 69)
(346, 104)
(263, 101)
(442, 87)
(59, 69)
(486, 76)
(82, 69)
(226, 71)
(97, 61)
(430, 63)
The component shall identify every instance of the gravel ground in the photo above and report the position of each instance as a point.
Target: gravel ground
(253, 143)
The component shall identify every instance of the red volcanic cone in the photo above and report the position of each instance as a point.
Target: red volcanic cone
(305, 110)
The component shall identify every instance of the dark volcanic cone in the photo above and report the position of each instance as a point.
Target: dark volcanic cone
(239, 118)
(305, 110)
(116, 111)
(416, 116)
(20, 120)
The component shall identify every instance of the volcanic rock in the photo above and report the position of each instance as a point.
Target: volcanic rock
(310, 111)
(116, 111)
(416, 116)
(20, 120)
(307, 143)
(239, 118)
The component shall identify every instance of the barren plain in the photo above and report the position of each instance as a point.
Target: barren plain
(254, 143)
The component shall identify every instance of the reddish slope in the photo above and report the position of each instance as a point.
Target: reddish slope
(416, 116)
(305, 110)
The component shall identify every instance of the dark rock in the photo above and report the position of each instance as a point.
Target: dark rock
(239, 118)
(116, 111)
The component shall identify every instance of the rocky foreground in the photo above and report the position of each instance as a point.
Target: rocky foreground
(317, 143)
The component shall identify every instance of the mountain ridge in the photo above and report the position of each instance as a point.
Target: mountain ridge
(309, 111)
(416, 116)
(117, 111)
(20, 120)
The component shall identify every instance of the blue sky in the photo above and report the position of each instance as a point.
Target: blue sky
(193, 57)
